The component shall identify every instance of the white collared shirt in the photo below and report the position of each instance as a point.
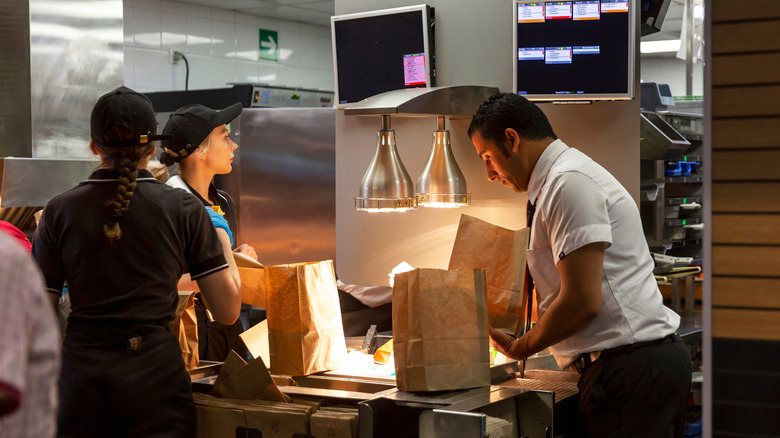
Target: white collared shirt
(577, 203)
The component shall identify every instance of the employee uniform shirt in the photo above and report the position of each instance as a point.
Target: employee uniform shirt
(29, 346)
(578, 203)
(224, 201)
(165, 233)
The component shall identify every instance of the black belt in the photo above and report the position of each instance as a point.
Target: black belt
(585, 360)
(123, 334)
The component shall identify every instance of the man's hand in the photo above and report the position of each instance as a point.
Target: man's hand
(506, 344)
(246, 250)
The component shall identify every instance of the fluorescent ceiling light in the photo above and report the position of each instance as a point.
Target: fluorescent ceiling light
(662, 46)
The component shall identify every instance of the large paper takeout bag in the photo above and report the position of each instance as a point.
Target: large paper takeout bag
(440, 330)
(305, 332)
(501, 252)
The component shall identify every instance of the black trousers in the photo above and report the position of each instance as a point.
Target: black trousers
(112, 386)
(636, 393)
(215, 340)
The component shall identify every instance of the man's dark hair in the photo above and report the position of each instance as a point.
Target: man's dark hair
(509, 110)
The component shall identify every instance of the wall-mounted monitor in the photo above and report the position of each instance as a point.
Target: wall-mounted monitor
(382, 50)
(574, 50)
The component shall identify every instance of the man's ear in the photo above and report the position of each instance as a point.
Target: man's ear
(514, 138)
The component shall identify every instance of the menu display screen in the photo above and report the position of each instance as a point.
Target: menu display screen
(574, 50)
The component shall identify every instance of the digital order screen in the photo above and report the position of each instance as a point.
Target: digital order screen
(573, 48)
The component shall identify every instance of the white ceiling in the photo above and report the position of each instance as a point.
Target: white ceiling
(318, 12)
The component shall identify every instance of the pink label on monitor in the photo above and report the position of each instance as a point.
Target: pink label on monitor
(414, 69)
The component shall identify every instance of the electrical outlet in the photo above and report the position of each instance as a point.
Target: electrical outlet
(172, 57)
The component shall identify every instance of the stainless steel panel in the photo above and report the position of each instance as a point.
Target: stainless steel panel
(75, 56)
(659, 141)
(436, 423)
(31, 182)
(286, 183)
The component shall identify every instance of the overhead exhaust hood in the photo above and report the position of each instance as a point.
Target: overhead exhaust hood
(454, 101)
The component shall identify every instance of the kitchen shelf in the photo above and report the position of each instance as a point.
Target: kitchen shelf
(683, 179)
(665, 205)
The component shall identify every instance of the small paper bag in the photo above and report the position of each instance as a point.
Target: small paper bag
(305, 332)
(185, 326)
(252, 381)
(501, 252)
(440, 330)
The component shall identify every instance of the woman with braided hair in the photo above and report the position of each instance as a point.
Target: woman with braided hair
(121, 239)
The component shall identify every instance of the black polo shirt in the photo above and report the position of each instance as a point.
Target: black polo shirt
(165, 233)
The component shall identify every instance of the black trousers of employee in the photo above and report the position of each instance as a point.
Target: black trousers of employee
(637, 392)
(127, 382)
(215, 340)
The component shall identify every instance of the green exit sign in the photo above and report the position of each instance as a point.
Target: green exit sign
(269, 43)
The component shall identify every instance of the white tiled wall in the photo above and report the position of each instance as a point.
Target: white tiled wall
(221, 47)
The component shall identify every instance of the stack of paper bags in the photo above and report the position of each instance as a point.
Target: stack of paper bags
(224, 417)
(334, 422)
(499, 428)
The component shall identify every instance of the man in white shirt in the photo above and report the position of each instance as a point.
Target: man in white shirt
(600, 310)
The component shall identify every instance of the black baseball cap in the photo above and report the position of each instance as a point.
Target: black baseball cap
(126, 109)
(191, 124)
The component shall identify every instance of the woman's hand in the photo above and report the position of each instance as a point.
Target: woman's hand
(246, 250)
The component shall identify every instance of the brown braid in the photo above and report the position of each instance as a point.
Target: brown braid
(125, 160)
(128, 172)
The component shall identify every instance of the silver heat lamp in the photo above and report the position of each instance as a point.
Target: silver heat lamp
(441, 183)
(386, 186)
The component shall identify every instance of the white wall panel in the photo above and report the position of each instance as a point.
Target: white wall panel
(146, 28)
(199, 38)
(148, 69)
(223, 35)
(221, 46)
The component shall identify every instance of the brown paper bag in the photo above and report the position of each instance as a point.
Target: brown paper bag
(185, 326)
(501, 252)
(440, 330)
(252, 382)
(252, 286)
(305, 332)
(218, 421)
(273, 422)
(233, 363)
(333, 424)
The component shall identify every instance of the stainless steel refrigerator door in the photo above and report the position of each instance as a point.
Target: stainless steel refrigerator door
(286, 181)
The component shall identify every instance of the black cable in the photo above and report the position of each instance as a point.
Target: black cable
(187, 78)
